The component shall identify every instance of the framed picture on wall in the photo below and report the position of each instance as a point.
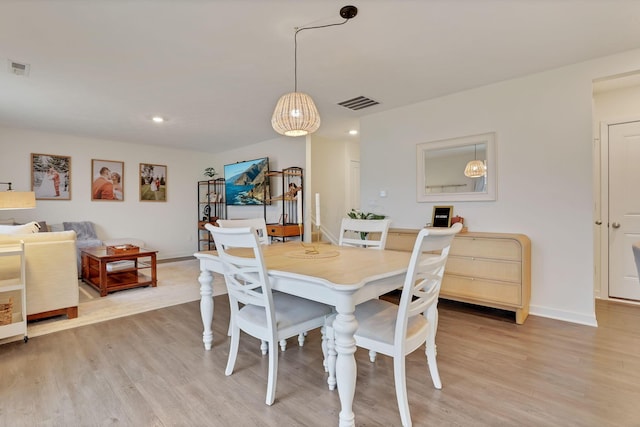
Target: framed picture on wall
(246, 182)
(153, 182)
(51, 176)
(442, 216)
(107, 180)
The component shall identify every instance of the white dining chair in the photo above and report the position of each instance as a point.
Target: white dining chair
(255, 310)
(398, 330)
(358, 232)
(259, 224)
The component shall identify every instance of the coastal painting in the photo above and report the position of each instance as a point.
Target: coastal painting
(247, 183)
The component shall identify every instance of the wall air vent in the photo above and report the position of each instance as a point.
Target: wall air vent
(19, 69)
(358, 103)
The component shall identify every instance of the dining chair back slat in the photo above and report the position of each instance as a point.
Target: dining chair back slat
(259, 224)
(368, 233)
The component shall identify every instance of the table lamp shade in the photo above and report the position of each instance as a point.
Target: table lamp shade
(17, 200)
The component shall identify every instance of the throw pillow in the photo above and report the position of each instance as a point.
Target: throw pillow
(84, 229)
(31, 227)
(43, 226)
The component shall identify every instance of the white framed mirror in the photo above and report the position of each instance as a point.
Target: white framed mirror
(441, 169)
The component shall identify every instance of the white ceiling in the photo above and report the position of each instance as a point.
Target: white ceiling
(216, 68)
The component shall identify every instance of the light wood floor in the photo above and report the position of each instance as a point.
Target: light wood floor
(151, 370)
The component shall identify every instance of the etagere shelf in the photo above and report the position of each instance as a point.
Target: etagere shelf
(290, 188)
(211, 207)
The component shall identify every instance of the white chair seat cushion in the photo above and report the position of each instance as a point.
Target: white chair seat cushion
(377, 323)
(289, 311)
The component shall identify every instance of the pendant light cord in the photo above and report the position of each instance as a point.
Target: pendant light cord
(295, 48)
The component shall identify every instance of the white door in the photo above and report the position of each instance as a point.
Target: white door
(624, 209)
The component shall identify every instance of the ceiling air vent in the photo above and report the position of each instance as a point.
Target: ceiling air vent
(358, 103)
(18, 68)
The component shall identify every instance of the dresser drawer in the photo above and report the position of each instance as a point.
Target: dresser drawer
(505, 271)
(507, 249)
(401, 240)
(481, 290)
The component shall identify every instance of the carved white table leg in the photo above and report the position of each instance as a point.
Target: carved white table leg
(206, 306)
(344, 327)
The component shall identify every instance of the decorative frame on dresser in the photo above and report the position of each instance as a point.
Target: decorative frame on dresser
(487, 269)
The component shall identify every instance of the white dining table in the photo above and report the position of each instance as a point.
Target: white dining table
(339, 276)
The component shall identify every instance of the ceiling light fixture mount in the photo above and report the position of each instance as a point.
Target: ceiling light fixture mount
(348, 12)
(296, 113)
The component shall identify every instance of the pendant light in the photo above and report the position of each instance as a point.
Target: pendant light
(475, 168)
(296, 113)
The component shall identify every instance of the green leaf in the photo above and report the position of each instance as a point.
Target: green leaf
(354, 214)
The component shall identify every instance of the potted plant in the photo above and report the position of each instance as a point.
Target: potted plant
(355, 214)
(210, 172)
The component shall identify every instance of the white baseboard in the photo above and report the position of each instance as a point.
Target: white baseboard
(566, 316)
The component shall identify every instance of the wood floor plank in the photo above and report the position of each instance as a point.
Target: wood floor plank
(151, 370)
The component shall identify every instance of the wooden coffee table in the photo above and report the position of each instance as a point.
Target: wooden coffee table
(108, 272)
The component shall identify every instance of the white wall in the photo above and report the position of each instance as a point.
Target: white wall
(169, 227)
(544, 137)
(616, 105)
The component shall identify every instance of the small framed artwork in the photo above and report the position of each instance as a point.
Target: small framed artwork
(51, 176)
(442, 216)
(153, 183)
(107, 180)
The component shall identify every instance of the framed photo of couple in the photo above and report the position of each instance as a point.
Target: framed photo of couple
(107, 180)
(153, 183)
(51, 176)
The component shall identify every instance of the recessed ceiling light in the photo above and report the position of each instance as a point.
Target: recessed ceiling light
(353, 132)
(158, 119)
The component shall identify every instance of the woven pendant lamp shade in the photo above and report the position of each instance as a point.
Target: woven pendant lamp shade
(295, 115)
(475, 169)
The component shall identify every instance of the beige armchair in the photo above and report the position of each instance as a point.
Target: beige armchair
(51, 272)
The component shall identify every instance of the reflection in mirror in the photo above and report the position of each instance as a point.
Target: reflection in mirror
(444, 169)
(441, 169)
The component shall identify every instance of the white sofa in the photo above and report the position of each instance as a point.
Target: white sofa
(52, 274)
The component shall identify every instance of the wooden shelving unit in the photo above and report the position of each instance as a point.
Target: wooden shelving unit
(211, 207)
(289, 184)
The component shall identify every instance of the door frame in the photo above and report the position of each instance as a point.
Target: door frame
(601, 210)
